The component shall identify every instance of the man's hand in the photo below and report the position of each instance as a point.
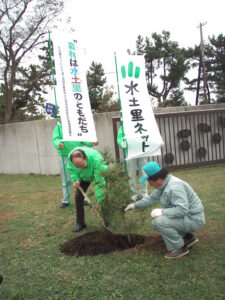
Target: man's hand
(94, 143)
(129, 207)
(96, 208)
(124, 144)
(76, 183)
(60, 146)
(157, 212)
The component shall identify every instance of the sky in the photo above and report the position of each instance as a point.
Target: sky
(104, 27)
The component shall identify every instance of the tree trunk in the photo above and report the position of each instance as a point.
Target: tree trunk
(9, 88)
(8, 110)
(208, 91)
(9, 100)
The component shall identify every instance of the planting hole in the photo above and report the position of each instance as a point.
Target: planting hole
(98, 242)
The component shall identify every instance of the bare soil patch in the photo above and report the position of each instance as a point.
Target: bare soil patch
(99, 242)
(7, 215)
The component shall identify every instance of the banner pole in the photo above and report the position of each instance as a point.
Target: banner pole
(121, 115)
(56, 110)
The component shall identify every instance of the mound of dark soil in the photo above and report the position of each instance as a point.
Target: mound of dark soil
(99, 242)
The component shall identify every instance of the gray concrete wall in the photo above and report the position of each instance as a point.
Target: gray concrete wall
(104, 130)
(26, 147)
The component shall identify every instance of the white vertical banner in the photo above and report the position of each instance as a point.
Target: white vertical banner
(71, 89)
(140, 127)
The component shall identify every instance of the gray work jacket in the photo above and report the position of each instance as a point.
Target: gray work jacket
(176, 197)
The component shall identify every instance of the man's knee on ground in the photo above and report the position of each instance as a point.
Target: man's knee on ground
(158, 223)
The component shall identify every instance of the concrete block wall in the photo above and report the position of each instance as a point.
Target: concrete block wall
(26, 147)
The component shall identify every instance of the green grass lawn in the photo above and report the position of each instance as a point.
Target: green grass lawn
(32, 226)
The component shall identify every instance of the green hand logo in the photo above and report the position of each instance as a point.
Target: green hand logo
(130, 70)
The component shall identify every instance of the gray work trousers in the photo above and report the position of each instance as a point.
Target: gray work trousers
(132, 166)
(63, 179)
(172, 230)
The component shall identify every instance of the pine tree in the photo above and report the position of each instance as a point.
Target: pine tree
(166, 65)
(96, 80)
(215, 53)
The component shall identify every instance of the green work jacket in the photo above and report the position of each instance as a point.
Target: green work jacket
(92, 172)
(176, 197)
(68, 145)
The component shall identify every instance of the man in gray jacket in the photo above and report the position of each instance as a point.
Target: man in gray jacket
(181, 214)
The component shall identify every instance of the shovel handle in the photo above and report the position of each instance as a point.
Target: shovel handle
(83, 193)
(88, 200)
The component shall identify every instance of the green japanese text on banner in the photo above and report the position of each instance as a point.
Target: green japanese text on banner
(140, 127)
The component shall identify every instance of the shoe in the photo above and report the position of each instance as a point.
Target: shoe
(63, 205)
(79, 227)
(177, 253)
(190, 240)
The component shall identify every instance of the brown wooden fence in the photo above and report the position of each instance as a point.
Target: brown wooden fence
(192, 138)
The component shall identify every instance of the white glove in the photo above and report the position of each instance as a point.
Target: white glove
(129, 207)
(157, 212)
(124, 144)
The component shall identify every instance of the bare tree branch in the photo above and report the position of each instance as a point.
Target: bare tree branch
(23, 25)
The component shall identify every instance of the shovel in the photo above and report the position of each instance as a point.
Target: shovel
(103, 223)
(84, 194)
(89, 202)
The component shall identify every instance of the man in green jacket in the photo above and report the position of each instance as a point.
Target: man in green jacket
(86, 165)
(181, 214)
(64, 148)
(132, 166)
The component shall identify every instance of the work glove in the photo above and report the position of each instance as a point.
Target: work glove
(124, 144)
(157, 212)
(129, 207)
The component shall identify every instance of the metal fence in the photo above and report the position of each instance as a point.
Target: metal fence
(192, 138)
